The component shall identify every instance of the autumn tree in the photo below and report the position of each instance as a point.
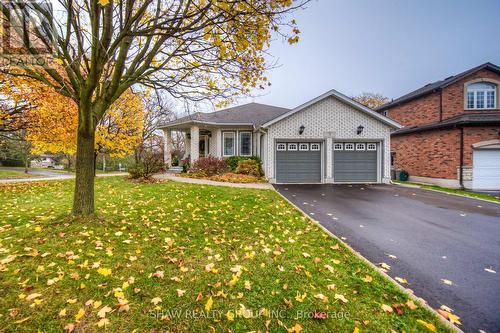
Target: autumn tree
(193, 49)
(371, 100)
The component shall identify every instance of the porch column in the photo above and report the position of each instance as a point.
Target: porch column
(195, 143)
(218, 142)
(187, 145)
(257, 144)
(167, 152)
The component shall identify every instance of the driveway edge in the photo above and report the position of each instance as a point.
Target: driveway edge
(433, 190)
(420, 300)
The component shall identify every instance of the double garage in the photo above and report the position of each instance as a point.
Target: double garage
(304, 162)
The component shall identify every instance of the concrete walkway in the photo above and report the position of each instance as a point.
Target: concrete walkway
(58, 177)
(167, 176)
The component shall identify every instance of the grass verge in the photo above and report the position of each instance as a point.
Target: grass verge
(183, 257)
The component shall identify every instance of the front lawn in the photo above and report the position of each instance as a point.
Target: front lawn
(16, 174)
(183, 257)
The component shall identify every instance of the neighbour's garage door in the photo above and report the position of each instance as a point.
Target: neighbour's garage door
(298, 162)
(486, 169)
(354, 162)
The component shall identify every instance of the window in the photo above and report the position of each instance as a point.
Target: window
(371, 146)
(360, 146)
(281, 147)
(228, 142)
(385, 113)
(304, 146)
(393, 158)
(245, 143)
(315, 146)
(481, 95)
(292, 146)
(349, 146)
(338, 146)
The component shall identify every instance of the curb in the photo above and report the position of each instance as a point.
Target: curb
(433, 190)
(410, 295)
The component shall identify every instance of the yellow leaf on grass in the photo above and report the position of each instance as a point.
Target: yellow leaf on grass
(341, 297)
(367, 279)
(429, 326)
(209, 304)
(104, 271)
(386, 308)
(356, 330)
(156, 300)
(103, 322)
(230, 316)
(80, 314)
(102, 313)
(411, 304)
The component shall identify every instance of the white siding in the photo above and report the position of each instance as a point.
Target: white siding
(328, 118)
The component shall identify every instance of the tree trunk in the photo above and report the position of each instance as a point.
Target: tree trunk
(83, 203)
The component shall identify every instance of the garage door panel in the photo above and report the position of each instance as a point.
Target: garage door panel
(298, 166)
(486, 169)
(354, 166)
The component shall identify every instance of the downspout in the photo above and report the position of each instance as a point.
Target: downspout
(441, 104)
(461, 173)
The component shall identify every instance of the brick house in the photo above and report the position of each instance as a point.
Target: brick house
(452, 130)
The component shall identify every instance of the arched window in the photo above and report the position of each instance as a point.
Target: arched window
(482, 95)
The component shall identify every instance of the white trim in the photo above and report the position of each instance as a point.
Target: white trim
(343, 98)
(278, 146)
(314, 149)
(234, 143)
(205, 123)
(306, 146)
(362, 144)
(240, 145)
(349, 144)
(338, 146)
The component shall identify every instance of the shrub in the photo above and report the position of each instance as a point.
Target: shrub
(233, 161)
(209, 166)
(149, 163)
(248, 167)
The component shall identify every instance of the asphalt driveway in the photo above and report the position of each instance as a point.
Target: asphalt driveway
(434, 236)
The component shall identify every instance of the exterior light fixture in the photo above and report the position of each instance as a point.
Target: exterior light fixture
(360, 129)
(301, 129)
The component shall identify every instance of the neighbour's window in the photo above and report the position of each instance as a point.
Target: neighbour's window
(349, 146)
(315, 146)
(228, 140)
(385, 113)
(292, 146)
(338, 146)
(371, 146)
(393, 158)
(281, 147)
(360, 146)
(304, 146)
(481, 95)
(245, 143)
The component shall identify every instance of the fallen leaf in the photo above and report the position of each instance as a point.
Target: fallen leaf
(401, 280)
(102, 313)
(429, 326)
(448, 282)
(209, 304)
(104, 271)
(367, 279)
(341, 298)
(180, 292)
(156, 300)
(386, 308)
(410, 304)
(80, 314)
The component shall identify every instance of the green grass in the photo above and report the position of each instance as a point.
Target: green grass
(14, 174)
(64, 171)
(466, 193)
(176, 230)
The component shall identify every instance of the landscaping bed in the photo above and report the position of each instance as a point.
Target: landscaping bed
(183, 257)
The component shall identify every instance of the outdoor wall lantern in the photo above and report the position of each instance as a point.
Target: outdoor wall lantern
(301, 129)
(360, 129)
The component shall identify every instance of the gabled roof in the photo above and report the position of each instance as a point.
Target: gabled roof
(343, 98)
(251, 114)
(431, 87)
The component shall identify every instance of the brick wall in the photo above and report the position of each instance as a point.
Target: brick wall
(433, 154)
(425, 109)
(453, 95)
(436, 153)
(419, 111)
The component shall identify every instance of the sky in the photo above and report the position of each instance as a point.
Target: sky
(386, 46)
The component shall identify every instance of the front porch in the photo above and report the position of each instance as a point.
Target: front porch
(202, 140)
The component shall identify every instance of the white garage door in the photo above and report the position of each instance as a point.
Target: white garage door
(486, 169)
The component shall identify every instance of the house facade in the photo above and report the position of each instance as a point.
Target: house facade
(330, 139)
(452, 130)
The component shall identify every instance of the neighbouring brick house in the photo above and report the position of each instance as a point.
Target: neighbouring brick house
(452, 130)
